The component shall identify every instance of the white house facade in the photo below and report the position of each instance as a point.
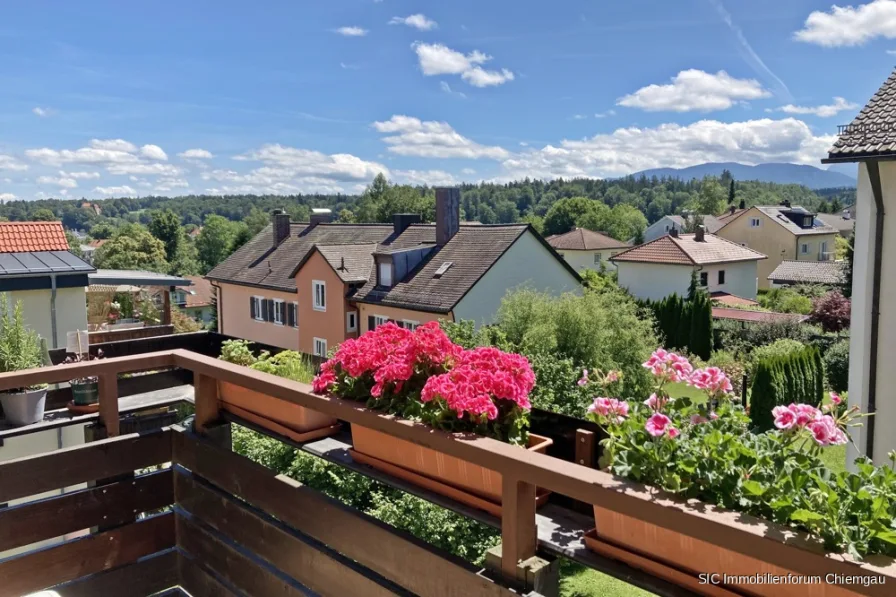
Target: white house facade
(585, 249)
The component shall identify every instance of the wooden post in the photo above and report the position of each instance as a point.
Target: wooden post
(166, 306)
(208, 407)
(108, 403)
(519, 537)
(585, 447)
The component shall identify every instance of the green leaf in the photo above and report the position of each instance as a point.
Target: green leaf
(753, 487)
(803, 515)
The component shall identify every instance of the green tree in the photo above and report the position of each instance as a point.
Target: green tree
(731, 192)
(565, 214)
(216, 241)
(102, 230)
(346, 216)
(711, 200)
(256, 221)
(625, 222)
(165, 226)
(43, 215)
(186, 262)
(133, 248)
(74, 245)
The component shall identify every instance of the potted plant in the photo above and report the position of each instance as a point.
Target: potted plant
(20, 348)
(705, 450)
(421, 375)
(85, 390)
(297, 422)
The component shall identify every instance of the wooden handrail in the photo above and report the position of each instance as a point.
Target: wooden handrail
(521, 469)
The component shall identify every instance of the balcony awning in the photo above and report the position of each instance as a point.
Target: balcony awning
(124, 277)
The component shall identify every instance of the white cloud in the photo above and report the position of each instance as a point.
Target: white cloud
(447, 89)
(113, 145)
(347, 66)
(165, 185)
(432, 178)
(605, 114)
(823, 111)
(79, 175)
(417, 21)
(438, 59)
(468, 171)
(579, 117)
(153, 152)
(410, 136)
(850, 25)
(69, 183)
(7, 197)
(144, 168)
(7, 162)
(120, 191)
(352, 31)
(695, 90)
(196, 154)
(38, 111)
(628, 150)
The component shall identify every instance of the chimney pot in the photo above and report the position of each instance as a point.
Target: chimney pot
(700, 234)
(674, 232)
(320, 215)
(400, 222)
(447, 214)
(280, 224)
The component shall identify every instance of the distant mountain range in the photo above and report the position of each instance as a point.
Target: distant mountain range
(809, 176)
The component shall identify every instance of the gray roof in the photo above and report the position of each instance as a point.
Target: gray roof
(808, 272)
(711, 223)
(873, 132)
(352, 263)
(774, 212)
(582, 239)
(843, 225)
(118, 277)
(42, 262)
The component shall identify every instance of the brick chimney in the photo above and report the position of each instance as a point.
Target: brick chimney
(674, 232)
(320, 215)
(700, 234)
(400, 222)
(447, 213)
(280, 222)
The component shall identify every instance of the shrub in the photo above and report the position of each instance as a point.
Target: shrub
(19, 344)
(685, 323)
(732, 367)
(831, 312)
(785, 300)
(836, 364)
(784, 373)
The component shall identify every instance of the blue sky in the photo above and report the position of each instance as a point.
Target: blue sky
(113, 99)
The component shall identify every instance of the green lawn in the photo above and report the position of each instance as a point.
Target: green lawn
(578, 581)
(681, 390)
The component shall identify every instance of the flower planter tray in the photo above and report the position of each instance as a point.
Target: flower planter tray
(443, 489)
(82, 409)
(297, 418)
(453, 477)
(281, 429)
(658, 569)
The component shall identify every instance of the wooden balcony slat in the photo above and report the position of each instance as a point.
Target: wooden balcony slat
(107, 505)
(310, 564)
(87, 555)
(395, 555)
(196, 581)
(65, 373)
(249, 575)
(32, 475)
(149, 576)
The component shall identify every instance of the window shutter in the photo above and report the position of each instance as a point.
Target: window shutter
(269, 309)
(291, 316)
(252, 307)
(371, 322)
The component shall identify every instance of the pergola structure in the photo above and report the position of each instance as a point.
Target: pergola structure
(127, 280)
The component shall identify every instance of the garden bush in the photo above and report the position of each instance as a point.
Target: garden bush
(685, 323)
(785, 300)
(836, 365)
(831, 312)
(786, 374)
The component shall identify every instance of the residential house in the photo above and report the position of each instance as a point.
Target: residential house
(790, 273)
(37, 269)
(196, 300)
(681, 223)
(783, 232)
(586, 249)
(664, 266)
(870, 140)
(310, 286)
(844, 221)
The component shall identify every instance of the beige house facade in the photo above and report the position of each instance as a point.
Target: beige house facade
(783, 233)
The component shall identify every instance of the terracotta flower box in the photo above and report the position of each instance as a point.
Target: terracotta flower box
(451, 476)
(297, 422)
(681, 560)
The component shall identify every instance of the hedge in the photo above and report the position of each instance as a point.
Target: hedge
(785, 378)
(685, 323)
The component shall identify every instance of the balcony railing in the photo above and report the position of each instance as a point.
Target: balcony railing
(234, 525)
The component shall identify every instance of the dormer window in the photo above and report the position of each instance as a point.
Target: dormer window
(385, 274)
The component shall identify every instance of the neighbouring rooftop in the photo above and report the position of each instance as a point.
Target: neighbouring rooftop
(685, 249)
(808, 272)
(18, 237)
(873, 131)
(582, 239)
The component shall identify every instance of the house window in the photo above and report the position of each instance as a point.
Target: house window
(386, 275)
(292, 315)
(667, 227)
(351, 321)
(409, 325)
(319, 290)
(823, 250)
(279, 312)
(804, 248)
(704, 278)
(379, 320)
(256, 308)
(721, 276)
(755, 222)
(320, 347)
(597, 257)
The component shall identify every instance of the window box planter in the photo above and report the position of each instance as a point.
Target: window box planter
(296, 422)
(86, 394)
(24, 408)
(453, 477)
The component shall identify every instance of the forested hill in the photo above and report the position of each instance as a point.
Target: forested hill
(525, 200)
(781, 173)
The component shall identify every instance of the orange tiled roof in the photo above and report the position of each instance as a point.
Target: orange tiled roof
(32, 236)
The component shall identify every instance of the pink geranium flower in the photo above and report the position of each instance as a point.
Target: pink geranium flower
(658, 424)
(784, 417)
(583, 381)
(835, 398)
(698, 419)
(611, 409)
(668, 366)
(655, 402)
(673, 432)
